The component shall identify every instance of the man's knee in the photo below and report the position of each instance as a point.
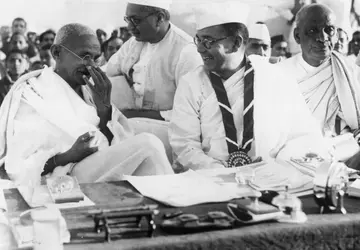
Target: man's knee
(150, 142)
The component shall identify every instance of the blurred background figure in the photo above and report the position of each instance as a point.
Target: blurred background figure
(19, 25)
(342, 43)
(114, 33)
(46, 57)
(17, 64)
(354, 46)
(279, 47)
(124, 34)
(18, 41)
(259, 40)
(5, 32)
(31, 36)
(36, 66)
(111, 46)
(47, 37)
(2, 54)
(101, 35)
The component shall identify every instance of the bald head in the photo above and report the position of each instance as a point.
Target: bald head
(316, 33)
(310, 10)
(68, 32)
(76, 47)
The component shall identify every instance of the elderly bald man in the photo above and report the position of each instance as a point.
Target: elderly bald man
(55, 122)
(152, 61)
(327, 81)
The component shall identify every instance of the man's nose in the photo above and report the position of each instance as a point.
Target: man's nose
(323, 36)
(200, 47)
(130, 26)
(262, 51)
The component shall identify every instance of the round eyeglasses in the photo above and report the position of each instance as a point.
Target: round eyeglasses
(86, 60)
(206, 42)
(135, 21)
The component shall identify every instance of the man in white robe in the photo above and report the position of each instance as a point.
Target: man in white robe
(326, 79)
(152, 61)
(282, 124)
(55, 122)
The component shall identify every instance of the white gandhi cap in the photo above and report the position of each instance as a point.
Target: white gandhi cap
(163, 4)
(259, 31)
(211, 14)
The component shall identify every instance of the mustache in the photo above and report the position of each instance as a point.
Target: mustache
(327, 43)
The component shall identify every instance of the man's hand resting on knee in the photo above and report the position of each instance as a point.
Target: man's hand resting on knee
(82, 148)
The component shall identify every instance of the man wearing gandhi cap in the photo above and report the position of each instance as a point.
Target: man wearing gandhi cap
(152, 61)
(259, 40)
(235, 108)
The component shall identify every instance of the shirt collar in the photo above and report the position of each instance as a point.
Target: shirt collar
(307, 67)
(238, 73)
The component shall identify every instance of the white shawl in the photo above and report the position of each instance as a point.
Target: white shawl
(41, 117)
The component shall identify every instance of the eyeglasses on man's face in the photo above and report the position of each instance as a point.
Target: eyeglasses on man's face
(207, 42)
(86, 60)
(135, 20)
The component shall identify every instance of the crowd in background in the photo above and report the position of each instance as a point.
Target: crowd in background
(22, 50)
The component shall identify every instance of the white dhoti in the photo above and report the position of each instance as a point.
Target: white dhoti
(43, 117)
(133, 156)
(155, 127)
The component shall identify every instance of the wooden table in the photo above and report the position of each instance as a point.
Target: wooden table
(320, 231)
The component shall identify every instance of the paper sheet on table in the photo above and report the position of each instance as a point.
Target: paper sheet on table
(41, 197)
(227, 175)
(274, 176)
(354, 189)
(185, 189)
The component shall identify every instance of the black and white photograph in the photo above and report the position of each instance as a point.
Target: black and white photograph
(179, 124)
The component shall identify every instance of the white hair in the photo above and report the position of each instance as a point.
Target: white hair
(71, 30)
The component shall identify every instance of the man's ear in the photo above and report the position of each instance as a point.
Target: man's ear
(238, 42)
(296, 34)
(55, 51)
(160, 18)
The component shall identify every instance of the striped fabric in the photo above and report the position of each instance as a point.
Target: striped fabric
(227, 114)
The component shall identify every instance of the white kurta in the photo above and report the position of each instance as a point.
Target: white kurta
(157, 69)
(42, 116)
(283, 125)
(328, 86)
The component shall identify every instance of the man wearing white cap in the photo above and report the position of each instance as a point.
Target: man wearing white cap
(152, 61)
(235, 108)
(259, 40)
